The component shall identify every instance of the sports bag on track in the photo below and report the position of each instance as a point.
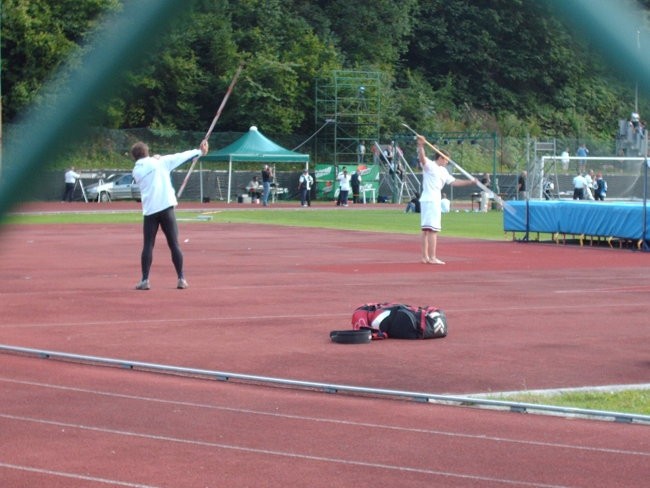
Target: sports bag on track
(399, 321)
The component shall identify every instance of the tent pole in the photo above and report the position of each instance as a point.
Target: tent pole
(201, 178)
(229, 176)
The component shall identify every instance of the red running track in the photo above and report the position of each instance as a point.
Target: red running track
(262, 301)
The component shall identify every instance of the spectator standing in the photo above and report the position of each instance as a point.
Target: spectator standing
(601, 187)
(635, 121)
(434, 177)
(361, 152)
(582, 152)
(355, 184)
(522, 194)
(152, 174)
(375, 154)
(398, 165)
(388, 154)
(267, 178)
(579, 184)
(344, 187)
(590, 181)
(486, 195)
(305, 183)
(70, 179)
(565, 158)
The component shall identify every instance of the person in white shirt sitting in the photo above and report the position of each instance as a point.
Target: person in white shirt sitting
(254, 189)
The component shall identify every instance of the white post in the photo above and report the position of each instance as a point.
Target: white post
(229, 176)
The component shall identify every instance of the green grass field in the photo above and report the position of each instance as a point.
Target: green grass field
(627, 401)
(392, 220)
(471, 225)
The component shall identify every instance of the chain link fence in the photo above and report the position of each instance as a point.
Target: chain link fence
(107, 151)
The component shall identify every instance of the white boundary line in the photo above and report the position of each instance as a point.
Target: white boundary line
(73, 476)
(285, 454)
(276, 414)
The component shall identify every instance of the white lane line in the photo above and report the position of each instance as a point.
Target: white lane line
(328, 420)
(285, 454)
(73, 476)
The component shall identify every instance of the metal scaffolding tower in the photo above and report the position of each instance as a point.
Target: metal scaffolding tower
(348, 105)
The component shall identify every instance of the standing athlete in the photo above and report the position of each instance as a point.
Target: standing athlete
(152, 174)
(434, 177)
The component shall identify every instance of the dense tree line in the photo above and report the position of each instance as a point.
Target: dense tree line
(513, 66)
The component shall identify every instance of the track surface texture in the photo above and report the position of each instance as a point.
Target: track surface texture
(262, 301)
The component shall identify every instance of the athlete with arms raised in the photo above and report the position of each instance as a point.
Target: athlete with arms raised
(153, 175)
(434, 177)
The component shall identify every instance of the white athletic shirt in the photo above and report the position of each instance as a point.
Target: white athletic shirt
(434, 178)
(71, 176)
(344, 181)
(152, 174)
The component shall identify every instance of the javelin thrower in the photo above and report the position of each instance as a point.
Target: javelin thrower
(434, 177)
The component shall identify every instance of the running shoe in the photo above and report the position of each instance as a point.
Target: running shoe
(143, 285)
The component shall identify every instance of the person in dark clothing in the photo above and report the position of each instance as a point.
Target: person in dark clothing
(305, 183)
(413, 205)
(522, 194)
(601, 187)
(355, 183)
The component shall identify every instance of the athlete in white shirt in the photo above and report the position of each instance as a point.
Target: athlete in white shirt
(152, 174)
(434, 177)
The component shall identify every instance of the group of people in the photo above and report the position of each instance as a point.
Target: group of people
(158, 198)
(153, 175)
(348, 182)
(587, 186)
(582, 152)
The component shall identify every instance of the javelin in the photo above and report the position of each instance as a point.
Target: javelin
(497, 198)
(214, 122)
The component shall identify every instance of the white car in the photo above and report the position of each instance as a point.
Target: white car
(119, 186)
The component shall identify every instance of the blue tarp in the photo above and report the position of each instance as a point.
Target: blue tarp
(622, 220)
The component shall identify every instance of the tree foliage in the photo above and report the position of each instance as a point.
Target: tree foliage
(506, 65)
(37, 36)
